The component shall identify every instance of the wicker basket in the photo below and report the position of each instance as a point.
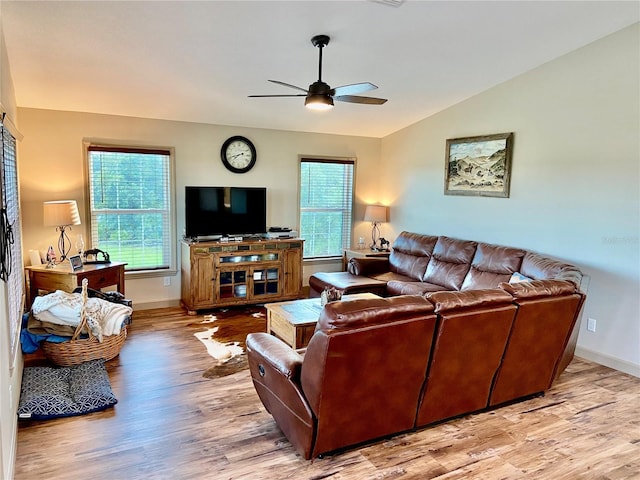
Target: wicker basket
(80, 350)
(75, 352)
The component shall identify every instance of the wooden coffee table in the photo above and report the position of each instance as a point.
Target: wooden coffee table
(294, 322)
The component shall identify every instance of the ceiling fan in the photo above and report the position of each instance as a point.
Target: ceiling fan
(320, 96)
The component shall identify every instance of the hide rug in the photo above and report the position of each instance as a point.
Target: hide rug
(225, 337)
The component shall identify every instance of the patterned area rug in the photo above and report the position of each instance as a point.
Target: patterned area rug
(225, 336)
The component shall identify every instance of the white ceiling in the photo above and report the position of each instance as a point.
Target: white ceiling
(198, 61)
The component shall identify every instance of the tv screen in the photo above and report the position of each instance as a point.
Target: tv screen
(212, 211)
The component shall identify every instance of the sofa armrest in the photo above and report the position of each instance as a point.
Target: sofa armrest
(276, 354)
(539, 288)
(368, 266)
(275, 372)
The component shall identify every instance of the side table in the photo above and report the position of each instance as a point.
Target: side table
(360, 253)
(62, 277)
(294, 322)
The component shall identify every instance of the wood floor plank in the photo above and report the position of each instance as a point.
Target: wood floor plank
(172, 423)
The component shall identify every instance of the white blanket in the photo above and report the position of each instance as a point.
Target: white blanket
(62, 308)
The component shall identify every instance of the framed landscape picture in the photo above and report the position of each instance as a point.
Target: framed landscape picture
(479, 166)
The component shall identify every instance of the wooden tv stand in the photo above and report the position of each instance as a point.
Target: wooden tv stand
(221, 274)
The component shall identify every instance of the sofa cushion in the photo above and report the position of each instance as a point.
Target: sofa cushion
(411, 253)
(491, 265)
(400, 287)
(517, 277)
(372, 311)
(450, 262)
(447, 301)
(392, 277)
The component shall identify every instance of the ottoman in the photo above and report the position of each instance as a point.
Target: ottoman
(346, 282)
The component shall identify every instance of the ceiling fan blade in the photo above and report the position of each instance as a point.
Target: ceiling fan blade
(353, 89)
(358, 99)
(265, 96)
(289, 85)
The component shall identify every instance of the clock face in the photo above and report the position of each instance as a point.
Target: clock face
(238, 154)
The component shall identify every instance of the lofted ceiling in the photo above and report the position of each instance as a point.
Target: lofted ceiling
(197, 61)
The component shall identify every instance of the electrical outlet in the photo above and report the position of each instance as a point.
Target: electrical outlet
(591, 324)
(167, 281)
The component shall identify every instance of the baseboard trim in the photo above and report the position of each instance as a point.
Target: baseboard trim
(151, 305)
(609, 361)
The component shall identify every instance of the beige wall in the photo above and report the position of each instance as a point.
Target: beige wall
(574, 185)
(51, 160)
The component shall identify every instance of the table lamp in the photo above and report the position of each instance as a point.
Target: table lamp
(376, 214)
(62, 214)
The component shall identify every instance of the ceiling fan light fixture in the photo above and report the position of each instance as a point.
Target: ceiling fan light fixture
(320, 96)
(318, 102)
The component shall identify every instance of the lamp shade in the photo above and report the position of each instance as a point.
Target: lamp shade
(376, 214)
(61, 213)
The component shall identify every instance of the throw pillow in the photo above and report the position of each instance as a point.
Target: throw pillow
(517, 277)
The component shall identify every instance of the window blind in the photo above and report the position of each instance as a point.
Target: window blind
(326, 206)
(130, 205)
(11, 238)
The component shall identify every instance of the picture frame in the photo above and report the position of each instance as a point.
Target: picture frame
(479, 166)
(76, 262)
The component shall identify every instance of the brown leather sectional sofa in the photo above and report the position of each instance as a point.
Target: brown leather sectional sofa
(377, 367)
(419, 264)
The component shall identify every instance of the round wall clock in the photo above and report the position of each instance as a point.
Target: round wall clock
(238, 154)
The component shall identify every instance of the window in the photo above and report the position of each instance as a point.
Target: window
(131, 205)
(326, 205)
(11, 272)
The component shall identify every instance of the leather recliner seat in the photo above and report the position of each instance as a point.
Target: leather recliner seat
(360, 377)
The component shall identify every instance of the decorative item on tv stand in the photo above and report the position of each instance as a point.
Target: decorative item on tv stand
(281, 232)
(377, 214)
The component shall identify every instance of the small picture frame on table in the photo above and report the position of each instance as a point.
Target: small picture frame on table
(76, 262)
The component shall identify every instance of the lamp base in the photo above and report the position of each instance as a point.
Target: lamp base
(64, 243)
(375, 236)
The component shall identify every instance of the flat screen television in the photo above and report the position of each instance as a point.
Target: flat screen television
(222, 211)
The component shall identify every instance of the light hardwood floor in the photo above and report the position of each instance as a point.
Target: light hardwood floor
(171, 423)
